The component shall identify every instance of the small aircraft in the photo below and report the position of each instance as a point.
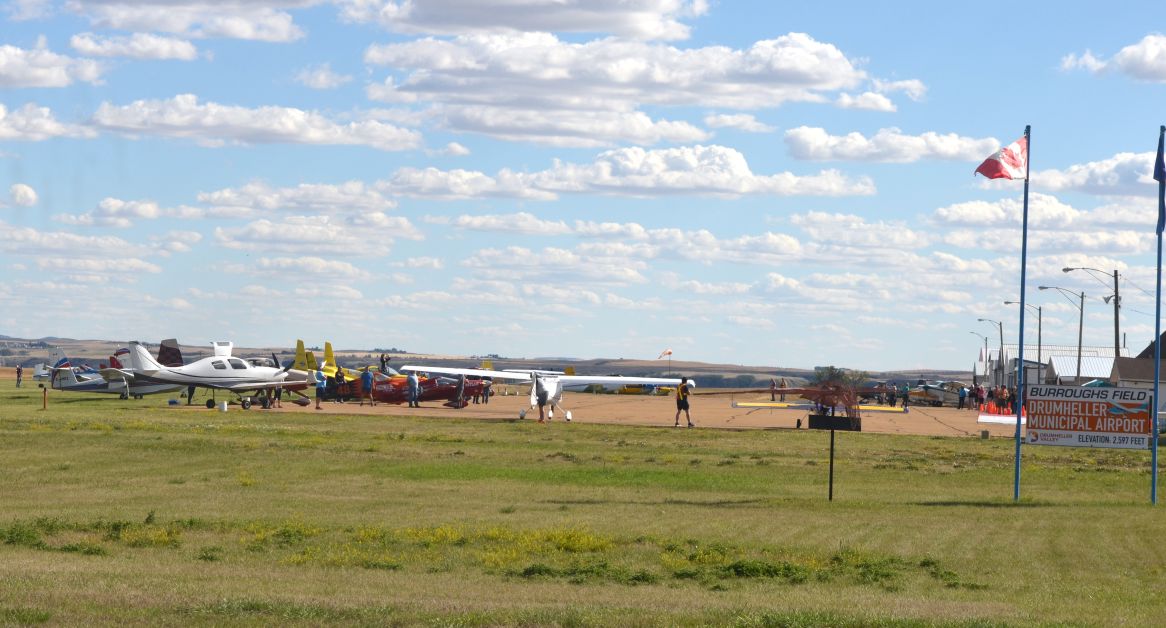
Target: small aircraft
(936, 393)
(830, 393)
(548, 386)
(116, 379)
(454, 391)
(220, 371)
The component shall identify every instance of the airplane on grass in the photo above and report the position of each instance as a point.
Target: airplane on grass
(936, 393)
(548, 386)
(115, 379)
(221, 371)
(389, 386)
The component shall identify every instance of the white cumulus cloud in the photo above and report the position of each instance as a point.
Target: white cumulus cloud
(259, 20)
(535, 87)
(870, 101)
(136, 46)
(742, 121)
(22, 195)
(321, 77)
(41, 67)
(33, 123)
(887, 145)
(1145, 60)
(213, 124)
(637, 19)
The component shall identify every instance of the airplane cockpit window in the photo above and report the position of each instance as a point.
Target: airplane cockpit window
(218, 364)
(236, 363)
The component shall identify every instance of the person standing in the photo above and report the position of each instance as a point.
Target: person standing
(279, 396)
(366, 387)
(321, 386)
(384, 365)
(782, 384)
(963, 397)
(19, 375)
(486, 390)
(682, 403)
(772, 389)
(904, 391)
(414, 385)
(339, 384)
(541, 396)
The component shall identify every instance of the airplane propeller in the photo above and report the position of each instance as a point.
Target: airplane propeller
(275, 360)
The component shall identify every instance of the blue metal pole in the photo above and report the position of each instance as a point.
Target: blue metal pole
(1020, 349)
(1161, 177)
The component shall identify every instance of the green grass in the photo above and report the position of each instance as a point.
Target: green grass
(129, 511)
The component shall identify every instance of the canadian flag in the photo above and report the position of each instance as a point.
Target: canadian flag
(1009, 162)
(664, 353)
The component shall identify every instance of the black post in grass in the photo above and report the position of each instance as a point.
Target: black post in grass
(832, 423)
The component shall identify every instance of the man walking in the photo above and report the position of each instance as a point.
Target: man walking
(366, 387)
(682, 403)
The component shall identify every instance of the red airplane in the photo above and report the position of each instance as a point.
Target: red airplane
(454, 391)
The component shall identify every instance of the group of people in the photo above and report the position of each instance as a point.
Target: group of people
(322, 381)
(993, 399)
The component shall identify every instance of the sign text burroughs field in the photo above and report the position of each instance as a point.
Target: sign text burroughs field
(1089, 417)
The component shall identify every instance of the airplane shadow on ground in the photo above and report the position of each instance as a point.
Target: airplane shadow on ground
(735, 503)
(984, 504)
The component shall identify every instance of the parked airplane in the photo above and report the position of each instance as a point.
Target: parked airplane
(546, 386)
(936, 393)
(221, 371)
(454, 391)
(116, 379)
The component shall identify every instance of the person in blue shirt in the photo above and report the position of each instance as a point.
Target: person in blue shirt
(321, 385)
(414, 390)
(366, 387)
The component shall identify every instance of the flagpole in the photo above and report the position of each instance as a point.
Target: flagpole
(1160, 175)
(1020, 350)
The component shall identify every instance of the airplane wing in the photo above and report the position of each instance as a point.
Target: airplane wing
(446, 370)
(257, 385)
(113, 375)
(609, 380)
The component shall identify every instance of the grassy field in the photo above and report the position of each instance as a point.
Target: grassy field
(116, 512)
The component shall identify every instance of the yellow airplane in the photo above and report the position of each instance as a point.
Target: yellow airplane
(306, 361)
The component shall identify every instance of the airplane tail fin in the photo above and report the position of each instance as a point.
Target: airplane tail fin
(301, 361)
(169, 354)
(141, 360)
(311, 360)
(62, 370)
(570, 370)
(114, 362)
(223, 348)
(329, 358)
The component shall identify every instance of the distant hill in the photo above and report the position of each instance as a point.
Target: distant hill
(15, 351)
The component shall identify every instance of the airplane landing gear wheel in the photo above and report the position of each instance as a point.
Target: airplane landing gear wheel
(246, 403)
(210, 404)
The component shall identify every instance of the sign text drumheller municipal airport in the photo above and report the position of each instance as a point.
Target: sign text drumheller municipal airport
(1089, 417)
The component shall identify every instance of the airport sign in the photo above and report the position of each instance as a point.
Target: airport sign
(1104, 417)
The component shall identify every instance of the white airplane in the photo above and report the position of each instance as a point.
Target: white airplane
(221, 371)
(116, 381)
(548, 386)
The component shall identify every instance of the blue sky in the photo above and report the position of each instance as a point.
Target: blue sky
(741, 182)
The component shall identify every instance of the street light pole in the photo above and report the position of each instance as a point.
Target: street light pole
(1116, 305)
(985, 351)
(999, 358)
(1039, 361)
(1080, 321)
